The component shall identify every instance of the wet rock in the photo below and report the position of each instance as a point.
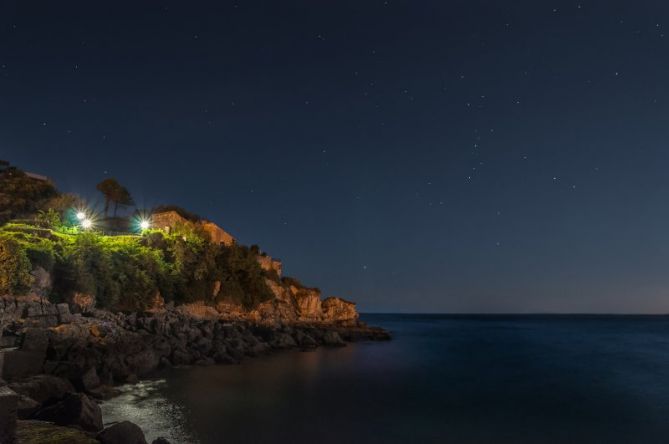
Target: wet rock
(124, 432)
(76, 409)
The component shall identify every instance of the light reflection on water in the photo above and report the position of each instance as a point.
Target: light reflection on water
(143, 404)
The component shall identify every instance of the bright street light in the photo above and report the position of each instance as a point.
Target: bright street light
(86, 224)
(81, 215)
(145, 224)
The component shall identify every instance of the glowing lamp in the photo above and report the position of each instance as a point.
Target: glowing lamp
(86, 223)
(144, 224)
(81, 215)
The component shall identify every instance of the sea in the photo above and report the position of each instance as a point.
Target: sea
(442, 379)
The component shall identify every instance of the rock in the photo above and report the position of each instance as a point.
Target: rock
(204, 362)
(81, 302)
(160, 440)
(17, 364)
(270, 264)
(41, 285)
(181, 357)
(8, 406)
(35, 340)
(124, 432)
(305, 341)
(26, 407)
(43, 388)
(143, 363)
(76, 409)
(283, 340)
(309, 304)
(338, 310)
(40, 432)
(332, 339)
(104, 392)
(90, 380)
(64, 315)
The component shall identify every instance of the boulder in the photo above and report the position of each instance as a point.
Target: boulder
(124, 432)
(35, 340)
(332, 339)
(76, 409)
(43, 388)
(26, 407)
(17, 364)
(88, 380)
(283, 340)
(8, 406)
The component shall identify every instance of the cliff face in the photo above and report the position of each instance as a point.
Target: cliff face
(167, 220)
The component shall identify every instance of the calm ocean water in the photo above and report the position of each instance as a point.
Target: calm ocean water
(443, 379)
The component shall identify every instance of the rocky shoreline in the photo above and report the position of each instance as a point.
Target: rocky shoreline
(56, 366)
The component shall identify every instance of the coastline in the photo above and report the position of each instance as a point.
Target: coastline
(56, 366)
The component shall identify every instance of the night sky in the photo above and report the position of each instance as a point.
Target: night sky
(413, 156)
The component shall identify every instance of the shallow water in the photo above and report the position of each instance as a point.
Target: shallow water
(460, 379)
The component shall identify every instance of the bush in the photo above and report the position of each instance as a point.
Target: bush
(242, 279)
(15, 268)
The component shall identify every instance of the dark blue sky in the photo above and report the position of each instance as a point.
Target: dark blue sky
(442, 156)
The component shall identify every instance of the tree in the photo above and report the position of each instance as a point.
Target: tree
(116, 193)
(21, 195)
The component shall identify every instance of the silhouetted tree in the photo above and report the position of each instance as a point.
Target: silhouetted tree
(116, 193)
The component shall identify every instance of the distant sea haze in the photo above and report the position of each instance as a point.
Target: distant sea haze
(443, 379)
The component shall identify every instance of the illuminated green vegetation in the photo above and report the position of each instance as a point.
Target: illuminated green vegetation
(126, 272)
(41, 228)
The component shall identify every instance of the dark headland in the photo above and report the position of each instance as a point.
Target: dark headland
(89, 299)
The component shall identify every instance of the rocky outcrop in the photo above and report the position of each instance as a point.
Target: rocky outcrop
(308, 301)
(168, 220)
(270, 264)
(339, 310)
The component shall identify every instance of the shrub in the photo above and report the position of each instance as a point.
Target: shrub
(15, 268)
(242, 279)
